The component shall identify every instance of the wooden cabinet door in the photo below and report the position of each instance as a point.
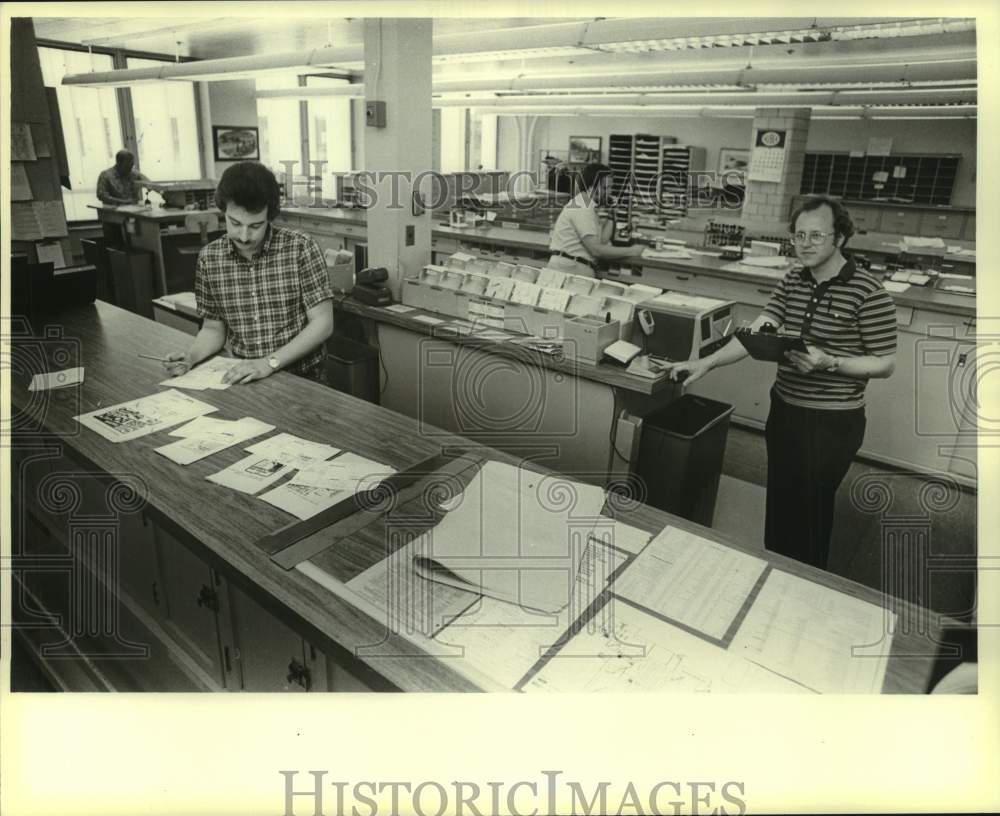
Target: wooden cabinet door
(269, 654)
(190, 596)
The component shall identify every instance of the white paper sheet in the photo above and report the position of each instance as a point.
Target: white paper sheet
(691, 580)
(51, 253)
(51, 218)
(130, 420)
(826, 640)
(399, 308)
(550, 278)
(293, 450)
(503, 641)
(525, 293)
(518, 535)
(323, 484)
(56, 379)
(631, 651)
(555, 300)
(895, 286)
(666, 254)
(206, 375)
(251, 474)
(206, 435)
(407, 602)
(430, 321)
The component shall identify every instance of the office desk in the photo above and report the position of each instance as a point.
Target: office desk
(195, 588)
(160, 231)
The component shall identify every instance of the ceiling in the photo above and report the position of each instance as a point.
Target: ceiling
(838, 66)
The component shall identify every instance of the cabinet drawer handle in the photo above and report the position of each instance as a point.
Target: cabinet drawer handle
(297, 673)
(683, 277)
(225, 656)
(208, 599)
(764, 291)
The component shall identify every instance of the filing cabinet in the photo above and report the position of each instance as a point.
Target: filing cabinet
(905, 222)
(942, 225)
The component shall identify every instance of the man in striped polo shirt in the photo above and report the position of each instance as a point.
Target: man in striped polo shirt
(817, 418)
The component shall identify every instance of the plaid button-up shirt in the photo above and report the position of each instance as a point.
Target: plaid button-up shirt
(263, 301)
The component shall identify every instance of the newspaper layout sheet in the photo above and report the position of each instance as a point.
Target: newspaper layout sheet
(627, 649)
(252, 473)
(207, 435)
(515, 535)
(504, 641)
(826, 640)
(130, 420)
(206, 375)
(691, 580)
(293, 450)
(323, 484)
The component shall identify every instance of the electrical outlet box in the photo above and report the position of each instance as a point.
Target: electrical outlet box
(411, 235)
(375, 114)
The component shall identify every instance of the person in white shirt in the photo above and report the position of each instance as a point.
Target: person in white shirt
(580, 237)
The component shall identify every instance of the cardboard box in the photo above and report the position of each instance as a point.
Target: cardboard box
(585, 338)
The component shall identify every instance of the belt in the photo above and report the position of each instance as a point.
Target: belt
(584, 261)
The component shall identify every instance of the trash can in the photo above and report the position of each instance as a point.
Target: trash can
(133, 278)
(352, 367)
(680, 456)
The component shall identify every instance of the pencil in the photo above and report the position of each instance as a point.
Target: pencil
(154, 357)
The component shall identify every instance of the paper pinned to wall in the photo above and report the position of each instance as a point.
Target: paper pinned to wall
(20, 187)
(51, 253)
(24, 224)
(40, 136)
(22, 146)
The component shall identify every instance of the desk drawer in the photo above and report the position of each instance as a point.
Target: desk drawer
(942, 225)
(906, 222)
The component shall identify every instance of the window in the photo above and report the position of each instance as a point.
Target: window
(166, 127)
(280, 126)
(90, 123)
(329, 133)
(453, 140)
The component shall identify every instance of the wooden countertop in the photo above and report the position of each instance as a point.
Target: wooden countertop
(224, 525)
(155, 214)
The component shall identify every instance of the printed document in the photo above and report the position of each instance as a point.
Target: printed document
(205, 436)
(323, 484)
(627, 649)
(130, 420)
(204, 375)
(826, 640)
(691, 580)
(251, 474)
(293, 450)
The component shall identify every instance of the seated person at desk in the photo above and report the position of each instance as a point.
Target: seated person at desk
(817, 419)
(579, 239)
(122, 184)
(263, 288)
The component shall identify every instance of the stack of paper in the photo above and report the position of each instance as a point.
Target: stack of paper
(293, 450)
(666, 254)
(205, 375)
(206, 435)
(323, 484)
(56, 379)
(130, 420)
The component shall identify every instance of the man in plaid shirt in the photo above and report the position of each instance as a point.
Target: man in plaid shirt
(263, 288)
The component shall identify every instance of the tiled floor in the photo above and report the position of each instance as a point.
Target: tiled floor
(864, 542)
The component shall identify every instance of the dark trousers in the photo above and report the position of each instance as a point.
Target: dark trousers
(808, 453)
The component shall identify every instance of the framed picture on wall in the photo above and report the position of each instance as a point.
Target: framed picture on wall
(733, 163)
(584, 149)
(235, 143)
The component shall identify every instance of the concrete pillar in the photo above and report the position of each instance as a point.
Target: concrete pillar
(768, 204)
(398, 73)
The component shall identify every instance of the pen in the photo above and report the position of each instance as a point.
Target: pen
(154, 357)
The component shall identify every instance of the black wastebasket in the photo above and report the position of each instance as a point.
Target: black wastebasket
(352, 367)
(680, 456)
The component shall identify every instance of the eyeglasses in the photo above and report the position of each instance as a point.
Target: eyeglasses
(814, 238)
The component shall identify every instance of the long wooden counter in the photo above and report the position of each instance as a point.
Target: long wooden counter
(225, 528)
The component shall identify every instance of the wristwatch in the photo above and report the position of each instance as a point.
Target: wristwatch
(272, 361)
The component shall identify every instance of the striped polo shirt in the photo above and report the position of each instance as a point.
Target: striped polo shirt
(854, 317)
